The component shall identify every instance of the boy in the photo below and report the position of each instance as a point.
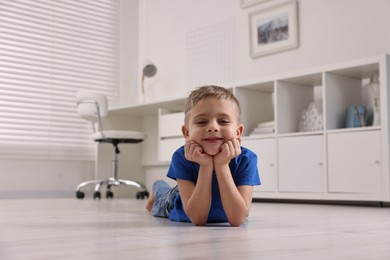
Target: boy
(214, 174)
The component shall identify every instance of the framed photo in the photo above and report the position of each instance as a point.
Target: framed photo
(273, 29)
(248, 3)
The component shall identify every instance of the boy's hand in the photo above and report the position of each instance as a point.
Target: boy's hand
(229, 150)
(194, 152)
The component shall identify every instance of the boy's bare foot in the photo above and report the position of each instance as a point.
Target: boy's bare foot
(149, 203)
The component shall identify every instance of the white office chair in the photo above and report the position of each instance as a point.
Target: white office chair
(93, 107)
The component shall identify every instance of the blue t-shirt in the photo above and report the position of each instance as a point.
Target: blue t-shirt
(244, 171)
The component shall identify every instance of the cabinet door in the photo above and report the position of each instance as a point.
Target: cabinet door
(265, 150)
(301, 164)
(354, 162)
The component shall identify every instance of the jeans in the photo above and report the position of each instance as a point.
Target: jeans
(164, 198)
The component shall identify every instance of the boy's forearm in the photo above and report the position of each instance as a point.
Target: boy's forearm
(198, 205)
(234, 204)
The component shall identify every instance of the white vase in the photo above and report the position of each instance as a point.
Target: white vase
(371, 97)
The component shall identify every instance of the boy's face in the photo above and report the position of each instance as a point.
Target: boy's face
(212, 122)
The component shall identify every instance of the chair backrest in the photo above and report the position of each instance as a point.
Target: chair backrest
(91, 106)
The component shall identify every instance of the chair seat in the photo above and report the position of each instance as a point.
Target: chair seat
(119, 136)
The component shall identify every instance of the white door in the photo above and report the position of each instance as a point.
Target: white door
(265, 150)
(354, 162)
(301, 164)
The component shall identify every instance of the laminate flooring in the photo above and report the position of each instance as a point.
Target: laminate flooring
(122, 229)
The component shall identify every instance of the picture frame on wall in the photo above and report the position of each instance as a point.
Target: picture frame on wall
(273, 29)
(248, 3)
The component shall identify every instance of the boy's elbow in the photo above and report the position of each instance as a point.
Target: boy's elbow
(236, 222)
(197, 219)
(199, 222)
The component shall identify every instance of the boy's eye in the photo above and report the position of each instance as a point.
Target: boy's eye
(224, 121)
(200, 122)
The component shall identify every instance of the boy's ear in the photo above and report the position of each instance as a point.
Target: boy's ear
(240, 130)
(184, 130)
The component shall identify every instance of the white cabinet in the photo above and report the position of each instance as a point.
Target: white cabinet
(354, 162)
(167, 147)
(170, 137)
(330, 162)
(301, 164)
(265, 150)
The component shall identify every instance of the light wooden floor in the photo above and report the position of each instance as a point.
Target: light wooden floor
(121, 229)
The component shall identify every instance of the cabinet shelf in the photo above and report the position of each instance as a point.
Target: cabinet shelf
(302, 134)
(355, 129)
(259, 136)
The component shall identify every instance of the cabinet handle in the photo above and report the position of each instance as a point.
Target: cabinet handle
(320, 164)
(271, 165)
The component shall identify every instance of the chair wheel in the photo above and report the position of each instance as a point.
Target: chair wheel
(142, 194)
(80, 194)
(97, 195)
(109, 194)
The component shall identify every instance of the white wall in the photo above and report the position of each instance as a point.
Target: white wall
(40, 178)
(129, 51)
(181, 36)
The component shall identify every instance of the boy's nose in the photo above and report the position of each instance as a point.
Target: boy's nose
(213, 127)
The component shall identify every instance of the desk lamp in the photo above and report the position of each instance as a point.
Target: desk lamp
(149, 70)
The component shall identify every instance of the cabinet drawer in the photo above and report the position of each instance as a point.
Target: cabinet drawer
(168, 146)
(170, 124)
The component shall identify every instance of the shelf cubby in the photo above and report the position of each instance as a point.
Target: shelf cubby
(293, 96)
(344, 89)
(257, 105)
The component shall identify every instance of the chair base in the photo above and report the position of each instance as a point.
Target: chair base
(109, 183)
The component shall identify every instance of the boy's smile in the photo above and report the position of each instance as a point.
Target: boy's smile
(212, 122)
(216, 141)
(213, 139)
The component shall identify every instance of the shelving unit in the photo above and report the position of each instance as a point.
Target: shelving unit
(330, 163)
(334, 163)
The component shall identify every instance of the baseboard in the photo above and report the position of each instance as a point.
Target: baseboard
(326, 202)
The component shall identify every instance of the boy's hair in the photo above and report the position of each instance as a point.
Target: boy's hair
(210, 91)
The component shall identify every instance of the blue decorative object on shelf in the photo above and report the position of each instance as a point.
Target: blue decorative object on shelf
(355, 116)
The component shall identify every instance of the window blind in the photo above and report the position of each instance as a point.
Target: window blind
(50, 49)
